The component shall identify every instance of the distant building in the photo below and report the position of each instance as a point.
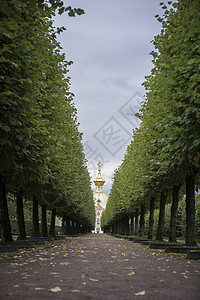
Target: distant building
(100, 199)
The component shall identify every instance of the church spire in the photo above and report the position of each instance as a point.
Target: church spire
(99, 181)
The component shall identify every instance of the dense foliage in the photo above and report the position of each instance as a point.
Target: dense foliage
(41, 149)
(165, 150)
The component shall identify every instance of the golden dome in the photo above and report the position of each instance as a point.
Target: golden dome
(99, 181)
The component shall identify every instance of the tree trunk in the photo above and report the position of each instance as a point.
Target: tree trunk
(190, 211)
(160, 229)
(72, 229)
(36, 225)
(6, 235)
(136, 221)
(67, 228)
(132, 225)
(113, 228)
(151, 219)
(125, 225)
(52, 231)
(20, 216)
(174, 209)
(118, 227)
(63, 228)
(65, 225)
(75, 227)
(44, 221)
(142, 221)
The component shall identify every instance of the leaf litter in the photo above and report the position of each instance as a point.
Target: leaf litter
(55, 289)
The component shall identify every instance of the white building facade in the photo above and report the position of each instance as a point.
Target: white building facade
(100, 199)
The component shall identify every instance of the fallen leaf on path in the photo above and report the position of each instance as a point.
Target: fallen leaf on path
(123, 259)
(132, 273)
(13, 264)
(159, 269)
(55, 289)
(142, 293)
(92, 279)
(63, 280)
(29, 283)
(39, 288)
(161, 280)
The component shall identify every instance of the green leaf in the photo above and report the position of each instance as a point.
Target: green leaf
(17, 148)
(79, 11)
(71, 13)
(6, 128)
(61, 10)
(191, 61)
(196, 143)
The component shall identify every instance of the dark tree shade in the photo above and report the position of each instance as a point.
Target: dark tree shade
(52, 225)
(190, 211)
(136, 221)
(36, 225)
(20, 216)
(44, 220)
(142, 221)
(174, 209)
(159, 234)
(151, 218)
(6, 236)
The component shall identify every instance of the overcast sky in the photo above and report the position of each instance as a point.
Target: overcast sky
(109, 46)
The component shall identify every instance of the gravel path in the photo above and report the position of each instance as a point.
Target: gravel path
(97, 266)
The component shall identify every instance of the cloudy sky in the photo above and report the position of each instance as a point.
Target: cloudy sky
(109, 47)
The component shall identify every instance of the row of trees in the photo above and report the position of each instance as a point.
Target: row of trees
(41, 155)
(163, 157)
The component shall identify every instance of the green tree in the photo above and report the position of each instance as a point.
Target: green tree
(164, 153)
(41, 148)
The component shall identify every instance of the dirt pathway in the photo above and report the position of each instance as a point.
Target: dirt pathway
(98, 266)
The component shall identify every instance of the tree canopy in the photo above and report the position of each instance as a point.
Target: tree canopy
(165, 149)
(41, 146)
